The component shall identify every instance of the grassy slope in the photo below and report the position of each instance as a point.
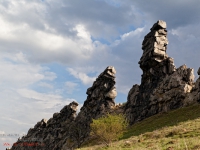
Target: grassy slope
(175, 130)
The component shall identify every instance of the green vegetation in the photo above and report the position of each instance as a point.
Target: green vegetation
(175, 130)
(108, 128)
(163, 120)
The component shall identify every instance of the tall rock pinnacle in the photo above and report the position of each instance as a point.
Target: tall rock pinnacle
(163, 87)
(154, 62)
(155, 44)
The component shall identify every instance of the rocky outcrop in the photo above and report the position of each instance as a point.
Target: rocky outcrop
(163, 87)
(67, 130)
(154, 62)
(196, 89)
(49, 134)
(100, 101)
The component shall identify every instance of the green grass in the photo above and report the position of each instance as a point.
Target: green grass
(176, 130)
(162, 120)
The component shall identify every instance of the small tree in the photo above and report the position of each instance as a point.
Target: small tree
(108, 128)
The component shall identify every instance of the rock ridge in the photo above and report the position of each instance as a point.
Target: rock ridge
(67, 130)
(163, 88)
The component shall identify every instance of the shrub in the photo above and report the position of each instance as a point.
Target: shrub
(108, 128)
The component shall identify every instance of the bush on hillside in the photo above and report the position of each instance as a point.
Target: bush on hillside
(108, 128)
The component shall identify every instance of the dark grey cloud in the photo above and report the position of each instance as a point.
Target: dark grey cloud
(184, 46)
(183, 21)
(176, 13)
(100, 18)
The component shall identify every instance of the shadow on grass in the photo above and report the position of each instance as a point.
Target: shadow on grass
(163, 120)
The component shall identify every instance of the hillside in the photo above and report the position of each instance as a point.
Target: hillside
(176, 130)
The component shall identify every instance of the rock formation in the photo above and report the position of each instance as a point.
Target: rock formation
(66, 130)
(196, 90)
(49, 134)
(163, 87)
(99, 102)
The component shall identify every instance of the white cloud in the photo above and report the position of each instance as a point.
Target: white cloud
(18, 72)
(15, 121)
(31, 94)
(82, 33)
(136, 32)
(2, 132)
(53, 45)
(45, 85)
(85, 79)
(71, 86)
(31, 25)
(42, 43)
(21, 107)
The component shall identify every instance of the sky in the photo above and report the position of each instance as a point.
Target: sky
(51, 51)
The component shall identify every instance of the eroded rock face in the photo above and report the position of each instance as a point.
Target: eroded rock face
(163, 87)
(100, 100)
(196, 89)
(67, 130)
(49, 134)
(154, 62)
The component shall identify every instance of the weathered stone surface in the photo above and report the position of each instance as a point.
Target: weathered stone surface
(100, 101)
(112, 93)
(49, 134)
(160, 24)
(163, 87)
(196, 91)
(198, 72)
(67, 130)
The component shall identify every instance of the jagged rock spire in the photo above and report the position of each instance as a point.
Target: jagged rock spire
(155, 43)
(163, 87)
(67, 130)
(99, 102)
(155, 62)
(104, 87)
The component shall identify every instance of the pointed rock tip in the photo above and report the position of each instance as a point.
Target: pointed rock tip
(160, 24)
(74, 103)
(111, 69)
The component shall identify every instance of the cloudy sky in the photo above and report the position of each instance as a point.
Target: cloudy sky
(51, 51)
